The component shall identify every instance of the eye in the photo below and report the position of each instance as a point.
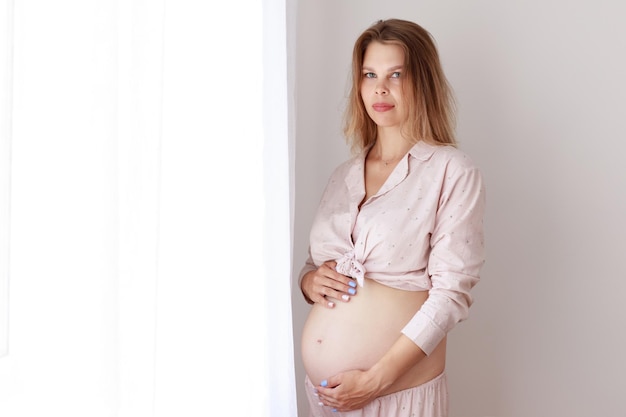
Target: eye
(395, 74)
(369, 75)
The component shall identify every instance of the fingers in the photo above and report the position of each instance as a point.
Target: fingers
(344, 281)
(328, 394)
(324, 393)
(345, 391)
(337, 286)
(325, 285)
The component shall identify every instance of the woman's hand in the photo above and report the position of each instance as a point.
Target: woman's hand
(350, 390)
(354, 389)
(325, 284)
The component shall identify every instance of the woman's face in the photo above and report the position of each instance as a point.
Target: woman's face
(381, 84)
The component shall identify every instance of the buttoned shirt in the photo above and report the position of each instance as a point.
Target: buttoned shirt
(422, 231)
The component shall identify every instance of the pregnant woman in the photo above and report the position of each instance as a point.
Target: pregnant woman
(397, 242)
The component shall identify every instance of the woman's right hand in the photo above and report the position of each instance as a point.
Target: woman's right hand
(325, 284)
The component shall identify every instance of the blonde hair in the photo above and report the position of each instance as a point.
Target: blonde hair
(426, 90)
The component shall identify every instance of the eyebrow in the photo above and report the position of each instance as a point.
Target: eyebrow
(397, 67)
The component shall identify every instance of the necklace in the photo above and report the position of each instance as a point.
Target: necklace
(378, 157)
(391, 161)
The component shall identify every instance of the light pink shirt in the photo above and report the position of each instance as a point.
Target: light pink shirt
(423, 230)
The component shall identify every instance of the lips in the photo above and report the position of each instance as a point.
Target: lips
(382, 107)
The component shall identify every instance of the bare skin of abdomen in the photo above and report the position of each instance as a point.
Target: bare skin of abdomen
(356, 334)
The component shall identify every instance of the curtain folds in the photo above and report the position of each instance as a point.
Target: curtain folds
(150, 209)
(6, 70)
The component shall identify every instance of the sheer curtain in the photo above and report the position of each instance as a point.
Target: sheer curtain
(150, 209)
(6, 62)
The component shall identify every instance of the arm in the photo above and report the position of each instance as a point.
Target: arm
(308, 267)
(456, 257)
(355, 389)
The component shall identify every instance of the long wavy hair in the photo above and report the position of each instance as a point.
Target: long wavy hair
(430, 101)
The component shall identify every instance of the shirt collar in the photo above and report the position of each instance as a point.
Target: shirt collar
(422, 150)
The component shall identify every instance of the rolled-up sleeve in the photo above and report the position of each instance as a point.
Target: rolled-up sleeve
(456, 257)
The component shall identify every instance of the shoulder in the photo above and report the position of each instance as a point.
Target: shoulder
(445, 165)
(445, 156)
(452, 154)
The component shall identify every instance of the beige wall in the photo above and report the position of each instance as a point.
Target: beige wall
(541, 87)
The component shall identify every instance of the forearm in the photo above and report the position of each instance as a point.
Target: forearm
(302, 280)
(402, 356)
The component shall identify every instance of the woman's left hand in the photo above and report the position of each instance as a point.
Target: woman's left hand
(355, 389)
(348, 390)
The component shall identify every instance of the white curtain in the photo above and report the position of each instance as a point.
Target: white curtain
(6, 62)
(150, 209)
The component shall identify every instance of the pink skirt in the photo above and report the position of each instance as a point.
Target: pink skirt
(427, 400)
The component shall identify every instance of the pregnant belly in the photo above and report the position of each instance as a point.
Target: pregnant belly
(354, 335)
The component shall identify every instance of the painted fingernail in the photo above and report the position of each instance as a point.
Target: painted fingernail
(324, 383)
(352, 291)
(334, 410)
(331, 304)
(345, 297)
(352, 284)
(321, 404)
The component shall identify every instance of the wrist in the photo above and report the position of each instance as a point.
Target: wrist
(381, 377)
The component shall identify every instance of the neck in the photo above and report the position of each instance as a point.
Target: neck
(390, 146)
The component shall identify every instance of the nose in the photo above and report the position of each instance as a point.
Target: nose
(381, 87)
